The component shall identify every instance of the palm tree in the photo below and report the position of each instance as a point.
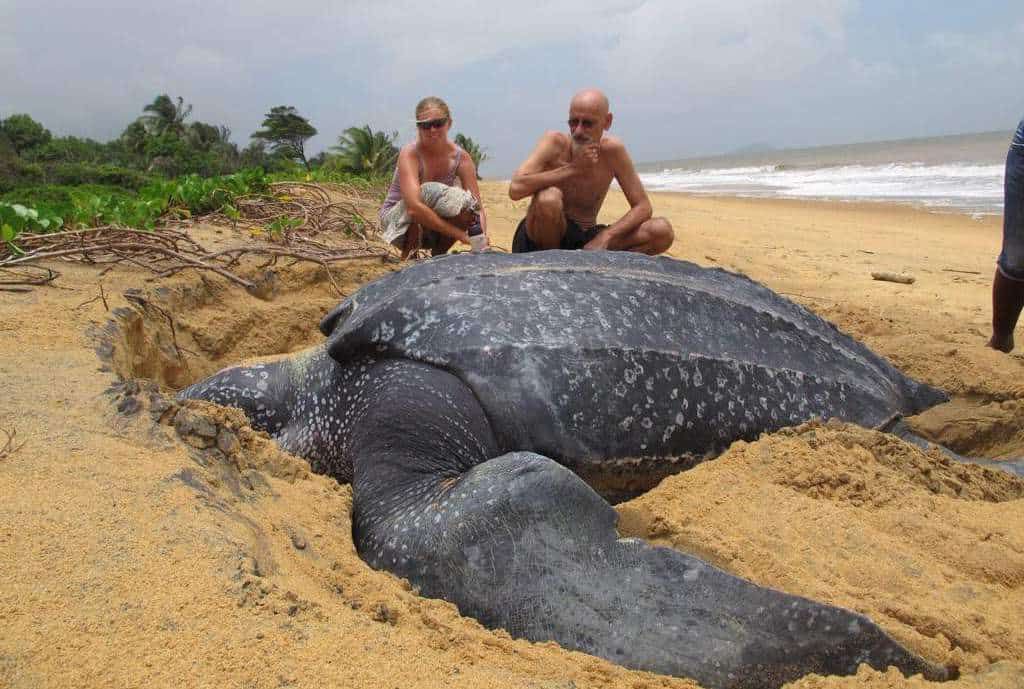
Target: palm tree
(363, 151)
(473, 149)
(134, 137)
(204, 136)
(166, 117)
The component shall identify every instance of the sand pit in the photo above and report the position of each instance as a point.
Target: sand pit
(142, 543)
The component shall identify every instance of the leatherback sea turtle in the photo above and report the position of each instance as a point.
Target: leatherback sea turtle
(465, 396)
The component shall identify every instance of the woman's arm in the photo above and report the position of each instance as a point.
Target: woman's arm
(419, 212)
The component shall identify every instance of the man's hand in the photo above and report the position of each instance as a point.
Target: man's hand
(598, 243)
(585, 156)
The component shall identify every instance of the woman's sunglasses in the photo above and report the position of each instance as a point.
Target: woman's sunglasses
(432, 124)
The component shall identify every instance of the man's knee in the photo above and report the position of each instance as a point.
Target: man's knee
(548, 201)
(545, 223)
(660, 235)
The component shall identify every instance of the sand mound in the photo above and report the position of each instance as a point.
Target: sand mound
(926, 547)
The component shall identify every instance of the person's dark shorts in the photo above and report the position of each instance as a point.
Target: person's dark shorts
(575, 237)
(1011, 259)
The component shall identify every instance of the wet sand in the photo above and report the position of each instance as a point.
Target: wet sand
(141, 553)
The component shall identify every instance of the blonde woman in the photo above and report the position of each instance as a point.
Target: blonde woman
(434, 198)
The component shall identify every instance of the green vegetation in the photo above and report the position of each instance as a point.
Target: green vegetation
(363, 151)
(16, 218)
(54, 208)
(164, 117)
(23, 133)
(287, 132)
(473, 149)
(164, 163)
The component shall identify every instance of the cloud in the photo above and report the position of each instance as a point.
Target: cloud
(1002, 49)
(684, 76)
(873, 73)
(466, 31)
(679, 50)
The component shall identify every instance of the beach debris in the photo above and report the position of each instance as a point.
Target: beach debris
(7, 447)
(965, 272)
(894, 277)
(24, 278)
(102, 296)
(803, 296)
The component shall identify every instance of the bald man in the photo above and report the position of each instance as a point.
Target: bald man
(568, 178)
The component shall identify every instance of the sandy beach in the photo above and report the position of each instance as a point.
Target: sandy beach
(142, 545)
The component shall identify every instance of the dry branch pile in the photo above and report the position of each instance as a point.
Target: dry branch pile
(310, 206)
(167, 250)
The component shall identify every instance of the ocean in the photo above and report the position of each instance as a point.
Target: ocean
(960, 173)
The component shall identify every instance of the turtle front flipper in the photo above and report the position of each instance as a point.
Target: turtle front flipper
(521, 543)
(305, 402)
(265, 392)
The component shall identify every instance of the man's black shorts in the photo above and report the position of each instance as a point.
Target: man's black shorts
(575, 237)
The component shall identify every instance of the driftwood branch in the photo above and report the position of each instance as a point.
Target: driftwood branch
(803, 296)
(24, 278)
(7, 446)
(894, 277)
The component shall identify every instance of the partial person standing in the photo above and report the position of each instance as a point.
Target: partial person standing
(434, 199)
(1008, 283)
(568, 178)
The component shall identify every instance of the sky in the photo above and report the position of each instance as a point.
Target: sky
(684, 77)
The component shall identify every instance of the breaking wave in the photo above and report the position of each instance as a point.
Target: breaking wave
(976, 188)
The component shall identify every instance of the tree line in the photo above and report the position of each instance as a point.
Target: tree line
(162, 142)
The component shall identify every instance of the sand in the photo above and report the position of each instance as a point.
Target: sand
(142, 545)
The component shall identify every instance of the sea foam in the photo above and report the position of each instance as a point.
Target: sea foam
(967, 187)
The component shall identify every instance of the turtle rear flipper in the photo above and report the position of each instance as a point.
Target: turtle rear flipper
(901, 430)
(519, 542)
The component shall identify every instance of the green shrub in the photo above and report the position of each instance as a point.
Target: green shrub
(76, 174)
(69, 149)
(55, 195)
(15, 172)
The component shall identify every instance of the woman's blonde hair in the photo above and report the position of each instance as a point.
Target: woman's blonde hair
(432, 102)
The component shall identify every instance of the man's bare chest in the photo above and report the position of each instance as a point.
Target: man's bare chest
(587, 189)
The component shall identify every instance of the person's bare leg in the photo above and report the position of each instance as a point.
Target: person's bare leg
(443, 242)
(1007, 302)
(545, 220)
(412, 240)
(442, 246)
(653, 237)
